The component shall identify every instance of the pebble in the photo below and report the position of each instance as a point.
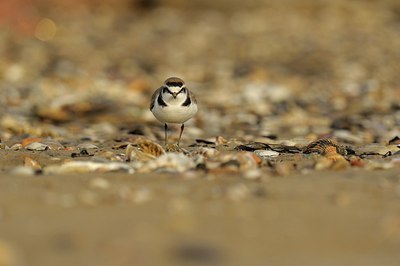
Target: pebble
(16, 147)
(36, 146)
(53, 144)
(88, 147)
(27, 141)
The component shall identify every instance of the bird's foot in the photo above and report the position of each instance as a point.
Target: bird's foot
(172, 147)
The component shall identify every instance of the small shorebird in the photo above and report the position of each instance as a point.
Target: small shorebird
(173, 103)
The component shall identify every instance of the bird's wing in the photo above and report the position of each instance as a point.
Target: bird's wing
(192, 97)
(154, 97)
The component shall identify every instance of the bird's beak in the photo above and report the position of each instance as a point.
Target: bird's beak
(174, 94)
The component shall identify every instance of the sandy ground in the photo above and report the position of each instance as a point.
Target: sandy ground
(351, 218)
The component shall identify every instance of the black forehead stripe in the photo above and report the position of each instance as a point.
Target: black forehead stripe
(174, 83)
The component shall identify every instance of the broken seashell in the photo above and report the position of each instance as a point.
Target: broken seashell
(266, 153)
(133, 153)
(242, 160)
(252, 146)
(88, 167)
(324, 147)
(377, 149)
(143, 150)
(150, 147)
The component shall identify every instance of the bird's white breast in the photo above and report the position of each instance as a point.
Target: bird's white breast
(174, 113)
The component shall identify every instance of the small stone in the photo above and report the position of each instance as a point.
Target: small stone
(16, 147)
(88, 147)
(53, 144)
(27, 141)
(37, 146)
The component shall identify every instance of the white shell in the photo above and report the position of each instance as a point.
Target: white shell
(266, 153)
(88, 167)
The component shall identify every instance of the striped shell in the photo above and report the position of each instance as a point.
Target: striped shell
(327, 147)
(143, 150)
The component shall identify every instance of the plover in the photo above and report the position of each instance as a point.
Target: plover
(173, 103)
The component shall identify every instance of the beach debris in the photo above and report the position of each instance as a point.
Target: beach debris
(143, 150)
(79, 167)
(168, 162)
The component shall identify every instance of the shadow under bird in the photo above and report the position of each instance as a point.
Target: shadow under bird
(173, 103)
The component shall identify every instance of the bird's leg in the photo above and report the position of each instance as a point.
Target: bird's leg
(165, 132)
(180, 134)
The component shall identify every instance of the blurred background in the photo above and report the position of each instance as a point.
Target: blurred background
(289, 71)
(263, 67)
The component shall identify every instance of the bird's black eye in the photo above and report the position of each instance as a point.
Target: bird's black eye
(165, 90)
(183, 90)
